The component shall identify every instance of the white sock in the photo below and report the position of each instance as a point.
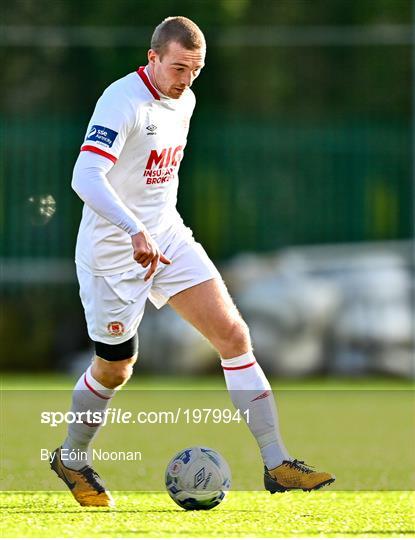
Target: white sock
(88, 395)
(250, 389)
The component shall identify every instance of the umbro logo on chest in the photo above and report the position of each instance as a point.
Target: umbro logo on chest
(151, 129)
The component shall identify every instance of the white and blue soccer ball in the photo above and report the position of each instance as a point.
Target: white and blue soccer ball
(198, 478)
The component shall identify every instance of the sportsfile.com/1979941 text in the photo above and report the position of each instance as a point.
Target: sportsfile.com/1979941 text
(118, 416)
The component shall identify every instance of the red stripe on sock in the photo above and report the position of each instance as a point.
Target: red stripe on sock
(239, 367)
(93, 389)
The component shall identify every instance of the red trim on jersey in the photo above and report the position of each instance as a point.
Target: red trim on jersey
(90, 148)
(93, 389)
(239, 367)
(141, 73)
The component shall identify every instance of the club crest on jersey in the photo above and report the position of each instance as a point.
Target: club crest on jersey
(102, 135)
(115, 328)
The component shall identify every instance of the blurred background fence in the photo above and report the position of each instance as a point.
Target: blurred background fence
(302, 136)
(245, 185)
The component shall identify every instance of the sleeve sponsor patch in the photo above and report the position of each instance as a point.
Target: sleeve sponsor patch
(103, 135)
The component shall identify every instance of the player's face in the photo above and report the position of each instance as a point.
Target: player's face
(176, 69)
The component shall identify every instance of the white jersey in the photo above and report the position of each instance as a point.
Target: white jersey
(144, 134)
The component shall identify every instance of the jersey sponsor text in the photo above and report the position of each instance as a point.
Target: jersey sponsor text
(165, 164)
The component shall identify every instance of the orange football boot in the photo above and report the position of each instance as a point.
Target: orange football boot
(295, 474)
(85, 485)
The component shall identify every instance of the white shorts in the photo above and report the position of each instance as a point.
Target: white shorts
(114, 305)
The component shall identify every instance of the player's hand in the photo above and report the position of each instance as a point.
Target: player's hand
(147, 253)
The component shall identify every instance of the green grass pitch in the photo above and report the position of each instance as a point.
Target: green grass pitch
(325, 513)
(242, 514)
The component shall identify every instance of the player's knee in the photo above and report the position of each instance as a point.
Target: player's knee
(113, 374)
(122, 372)
(235, 339)
(239, 336)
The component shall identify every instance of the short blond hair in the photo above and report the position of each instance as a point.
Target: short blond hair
(179, 29)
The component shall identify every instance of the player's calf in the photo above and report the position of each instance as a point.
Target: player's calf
(93, 392)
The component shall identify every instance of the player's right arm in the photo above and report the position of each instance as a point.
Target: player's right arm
(90, 182)
(106, 136)
(146, 252)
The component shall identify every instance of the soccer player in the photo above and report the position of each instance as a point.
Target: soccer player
(133, 245)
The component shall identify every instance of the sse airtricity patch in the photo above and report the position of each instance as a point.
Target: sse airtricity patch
(103, 135)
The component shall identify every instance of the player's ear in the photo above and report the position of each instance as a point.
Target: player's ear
(152, 55)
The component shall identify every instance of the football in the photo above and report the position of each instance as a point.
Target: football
(198, 478)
